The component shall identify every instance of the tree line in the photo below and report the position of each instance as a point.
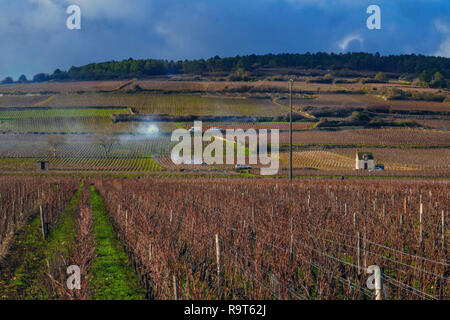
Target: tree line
(427, 66)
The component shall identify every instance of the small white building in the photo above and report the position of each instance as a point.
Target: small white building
(365, 161)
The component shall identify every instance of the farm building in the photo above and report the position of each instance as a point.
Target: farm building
(365, 161)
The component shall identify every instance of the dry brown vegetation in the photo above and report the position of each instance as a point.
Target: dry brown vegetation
(21, 198)
(373, 137)
(280, 240)
(63, 87)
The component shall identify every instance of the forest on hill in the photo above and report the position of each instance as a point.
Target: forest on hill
(426, 66)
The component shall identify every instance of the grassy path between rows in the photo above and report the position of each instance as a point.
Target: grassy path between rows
(23, 273)
(111, 275)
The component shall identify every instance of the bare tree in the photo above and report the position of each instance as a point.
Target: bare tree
(106, 140)
(55, 141)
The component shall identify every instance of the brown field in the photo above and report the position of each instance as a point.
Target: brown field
(435, 124)
(417, 105)
(363, 174)
(63, 86)
(233, 239)
(392, 84)
(22, 100)
(88, 124)
(163, 85)
(378, 137)
(213, 86)
(204, 86)
(330, 99)
(255, 125)
(365, 100)
(318, 159)
(82, 146)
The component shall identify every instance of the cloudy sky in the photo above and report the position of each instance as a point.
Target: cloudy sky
(34, 37)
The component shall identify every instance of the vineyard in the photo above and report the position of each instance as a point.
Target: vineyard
(371, 137)
(76, 118)
(21, 198)
(225, 186)
(405, 159)
(224, 239)
(31, 113)
(281, 241)
(60, 120)
(322, 160)
(396, 159)
(117, 164)
(83, 146)
(343, 101)
(282, 126)
(172, 104)
(63, 87)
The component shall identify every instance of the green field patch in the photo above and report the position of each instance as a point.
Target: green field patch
(144, 164)
(172, 104)
(61, 112)
(112, 277)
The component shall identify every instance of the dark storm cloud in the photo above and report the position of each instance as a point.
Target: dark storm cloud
(34, 37)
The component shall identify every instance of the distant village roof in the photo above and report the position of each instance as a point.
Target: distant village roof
(365, 155)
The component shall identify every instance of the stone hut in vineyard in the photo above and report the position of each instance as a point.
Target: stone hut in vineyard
(365, 161)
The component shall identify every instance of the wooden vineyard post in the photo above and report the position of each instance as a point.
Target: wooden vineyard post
(291, 82)
(309, 199)
(171, 214)
(421, 225)
(150, 252)
(14, 212)
(41, 212)
(253, 219)
(358, 251)
(354, 220)
(219, 290)
(126, 221)
(443, 228)
(365, 249)
(275, 286)
(175, 291)
(291, 249)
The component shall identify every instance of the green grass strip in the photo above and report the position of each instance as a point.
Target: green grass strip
(63, 237)
(112, 277)
(26, 278)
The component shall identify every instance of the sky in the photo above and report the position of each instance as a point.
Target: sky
(34, 37)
